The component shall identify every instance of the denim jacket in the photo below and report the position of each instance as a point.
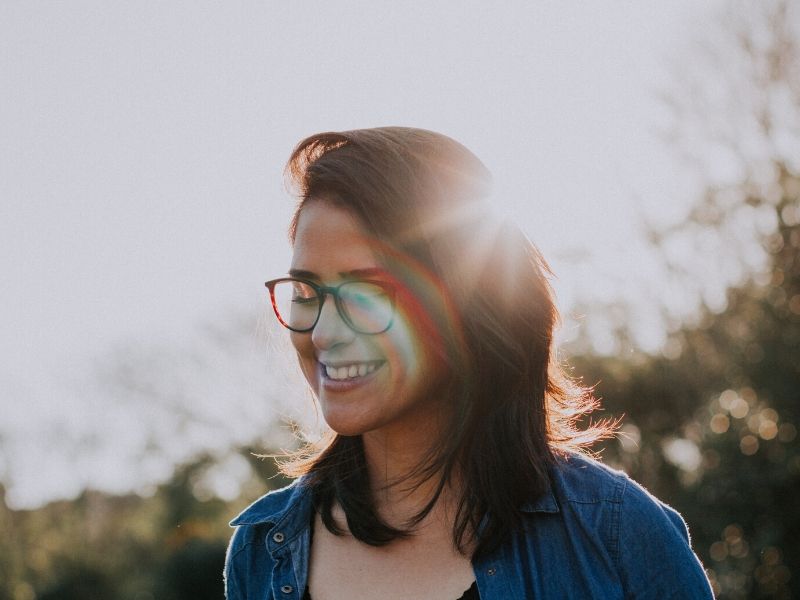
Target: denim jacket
(595, 534)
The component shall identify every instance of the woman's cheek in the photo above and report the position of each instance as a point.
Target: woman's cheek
(305, 355)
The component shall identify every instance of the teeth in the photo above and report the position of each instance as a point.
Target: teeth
(350, 371)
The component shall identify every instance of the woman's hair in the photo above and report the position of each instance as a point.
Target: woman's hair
(484, 288)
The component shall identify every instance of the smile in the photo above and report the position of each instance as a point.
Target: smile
(348, 371)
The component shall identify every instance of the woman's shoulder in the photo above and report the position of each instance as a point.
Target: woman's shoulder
(581, 479)
(646, 539)
(272, 505)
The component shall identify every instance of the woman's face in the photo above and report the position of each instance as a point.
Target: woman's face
(392, 370)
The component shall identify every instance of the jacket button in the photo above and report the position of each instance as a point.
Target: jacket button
(287, 589)
(491, 571)
(278, 537)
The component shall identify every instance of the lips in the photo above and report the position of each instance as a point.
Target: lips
(342, 376)
(350, 370)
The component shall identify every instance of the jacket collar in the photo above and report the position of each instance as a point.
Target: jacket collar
(284, 506)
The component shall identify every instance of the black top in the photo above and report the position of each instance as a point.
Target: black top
(470, 594)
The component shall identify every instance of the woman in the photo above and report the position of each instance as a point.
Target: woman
(454, 466)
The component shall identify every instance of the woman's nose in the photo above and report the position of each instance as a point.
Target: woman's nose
(330, 329)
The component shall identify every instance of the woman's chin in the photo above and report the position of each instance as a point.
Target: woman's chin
(347, 432)
(340, 420)
(345, 427)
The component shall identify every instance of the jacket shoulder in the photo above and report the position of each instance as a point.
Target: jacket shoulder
(647, 540)
(270, 507)
(581, 479)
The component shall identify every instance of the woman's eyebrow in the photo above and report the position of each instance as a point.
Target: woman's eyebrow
(363, 273)
(303, 274)
(353, 274)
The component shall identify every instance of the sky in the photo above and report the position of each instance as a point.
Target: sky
(142, 199)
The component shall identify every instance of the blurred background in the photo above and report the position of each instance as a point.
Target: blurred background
(650, 149)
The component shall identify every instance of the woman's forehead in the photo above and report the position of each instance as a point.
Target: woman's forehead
(329, 237)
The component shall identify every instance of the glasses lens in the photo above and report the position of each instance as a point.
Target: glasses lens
(368, 306)
(296, 304)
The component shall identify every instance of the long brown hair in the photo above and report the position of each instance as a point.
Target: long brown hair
(424, 196)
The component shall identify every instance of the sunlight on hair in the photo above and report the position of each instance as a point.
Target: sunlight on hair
(479, 231)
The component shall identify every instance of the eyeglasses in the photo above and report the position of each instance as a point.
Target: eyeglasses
(366, 306)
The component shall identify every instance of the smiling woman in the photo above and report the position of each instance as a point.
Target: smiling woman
(454, 467)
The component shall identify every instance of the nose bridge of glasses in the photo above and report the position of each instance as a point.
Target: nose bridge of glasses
(330, 313)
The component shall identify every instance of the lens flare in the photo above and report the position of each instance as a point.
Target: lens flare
(489, 251)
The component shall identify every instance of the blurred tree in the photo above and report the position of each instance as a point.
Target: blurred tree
(82, 583)
(169, 545)
(194, 572)
(711, 425)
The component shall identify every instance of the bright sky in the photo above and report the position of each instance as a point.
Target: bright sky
(141, 163)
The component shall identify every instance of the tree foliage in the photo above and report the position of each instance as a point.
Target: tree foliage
(711, 425)
(170, 545)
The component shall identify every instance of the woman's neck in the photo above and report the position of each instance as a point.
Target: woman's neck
(394, 461)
